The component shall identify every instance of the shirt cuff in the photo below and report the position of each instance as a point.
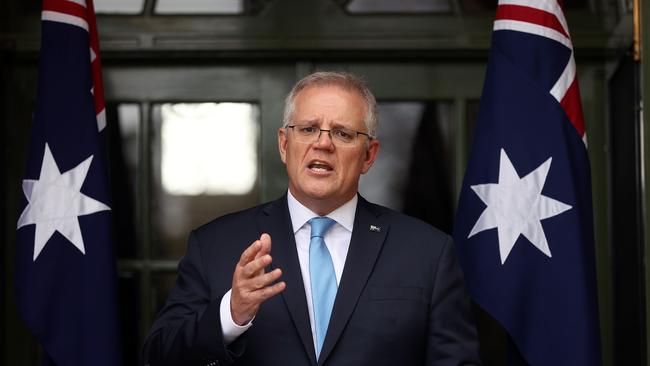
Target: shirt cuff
(229, 328)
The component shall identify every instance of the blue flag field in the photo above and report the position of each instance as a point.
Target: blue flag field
(65, 272)
(524, 228)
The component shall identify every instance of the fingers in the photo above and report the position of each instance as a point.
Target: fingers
(270, 291)
(251, 285)
(250, 253)
(256, 256)
(265, 245)
(264, 286)
(259, 248)
(266, 279)
(244, 307)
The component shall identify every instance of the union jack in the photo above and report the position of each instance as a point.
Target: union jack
(546, 19)
(76, 12)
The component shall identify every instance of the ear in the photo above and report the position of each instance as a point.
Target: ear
(371, 155)
(282, 143)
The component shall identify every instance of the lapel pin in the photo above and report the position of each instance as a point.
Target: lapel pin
(375, 228)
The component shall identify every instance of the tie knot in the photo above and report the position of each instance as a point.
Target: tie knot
(320, 225)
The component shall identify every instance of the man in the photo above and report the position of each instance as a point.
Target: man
(320, 276)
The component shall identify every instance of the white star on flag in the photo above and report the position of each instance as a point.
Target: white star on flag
(55, 203)
(516, 206)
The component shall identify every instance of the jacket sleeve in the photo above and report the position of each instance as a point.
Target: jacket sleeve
(452, 339)
(187, 330)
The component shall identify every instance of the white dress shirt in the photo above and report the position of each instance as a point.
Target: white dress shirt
(337, 240)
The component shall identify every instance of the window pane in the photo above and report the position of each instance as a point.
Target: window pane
(471, 114)
(128, 115)
(413, 172)
(205, 164)
(403, 6)
(201, 142)
(199, 7)
(118, 6)
(124, 131)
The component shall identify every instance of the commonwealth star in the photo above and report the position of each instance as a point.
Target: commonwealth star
(55, 203)
(516, 206)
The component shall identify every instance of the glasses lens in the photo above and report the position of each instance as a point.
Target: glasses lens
(305, 133)
(341, 137)
(344, 136)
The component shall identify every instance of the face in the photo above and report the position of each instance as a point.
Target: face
(323, 176)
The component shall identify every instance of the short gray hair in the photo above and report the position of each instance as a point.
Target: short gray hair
(345, 80)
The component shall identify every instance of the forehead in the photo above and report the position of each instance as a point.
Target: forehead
(329, 103)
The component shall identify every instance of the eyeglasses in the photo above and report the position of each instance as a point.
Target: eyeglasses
(341, 137)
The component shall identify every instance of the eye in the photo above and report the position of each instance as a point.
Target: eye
(306, 130)
(343, 135)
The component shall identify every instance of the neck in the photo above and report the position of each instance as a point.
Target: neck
(324, 206)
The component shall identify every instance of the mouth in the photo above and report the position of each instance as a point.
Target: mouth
(318, 166)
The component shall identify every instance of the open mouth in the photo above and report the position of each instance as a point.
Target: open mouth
(319, 166)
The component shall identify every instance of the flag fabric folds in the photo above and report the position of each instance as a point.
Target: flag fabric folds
(524, 229)
(65, 273)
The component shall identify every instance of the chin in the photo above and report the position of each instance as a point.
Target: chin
(318, 194)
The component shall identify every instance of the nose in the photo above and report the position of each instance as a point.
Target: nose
(325, 139)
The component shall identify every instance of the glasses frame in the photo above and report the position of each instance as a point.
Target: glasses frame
(329, 133)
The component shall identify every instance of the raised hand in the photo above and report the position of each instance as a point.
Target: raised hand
(251, 286)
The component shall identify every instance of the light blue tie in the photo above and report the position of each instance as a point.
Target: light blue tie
(323, 279)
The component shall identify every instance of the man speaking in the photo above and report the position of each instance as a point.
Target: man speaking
(320, 276)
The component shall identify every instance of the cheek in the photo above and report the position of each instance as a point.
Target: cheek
(294, 158)
(355, 168)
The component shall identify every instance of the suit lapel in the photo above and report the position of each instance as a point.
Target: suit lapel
(275, 221)
(367, 240)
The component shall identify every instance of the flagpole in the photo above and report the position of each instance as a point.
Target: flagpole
(637, 30)
(642, 56)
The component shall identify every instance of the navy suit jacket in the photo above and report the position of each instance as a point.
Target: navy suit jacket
(401, 299)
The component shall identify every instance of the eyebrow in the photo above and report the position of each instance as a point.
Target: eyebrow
(316, 122)
(308, 122)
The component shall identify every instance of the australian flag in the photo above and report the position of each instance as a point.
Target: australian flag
(65, 273)
(524, 229)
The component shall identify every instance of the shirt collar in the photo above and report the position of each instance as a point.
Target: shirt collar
(344, 215)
